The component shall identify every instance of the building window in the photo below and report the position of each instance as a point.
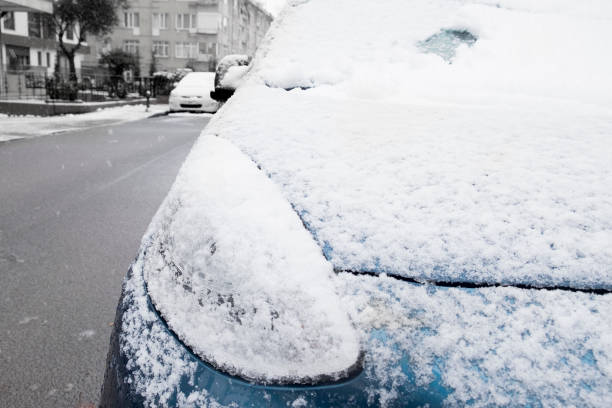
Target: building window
(208, 23)
(40, 25)
(131, 19)
(70, 32)
(131, 46)
(186, 50)
(18, 57)
(35, 25)
(208, 48)
(48, 59)
(40, 60)
(186, 21)
(160, 48)
(160, 21)
(9, 20)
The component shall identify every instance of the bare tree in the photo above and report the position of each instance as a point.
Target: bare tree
(80, 18)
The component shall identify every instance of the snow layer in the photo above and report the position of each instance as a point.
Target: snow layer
(233, 77)
(19, 127)
(239, 279)
(196, 84)
(490, 347)
(156, 360)
(495, 168)
(371, 50)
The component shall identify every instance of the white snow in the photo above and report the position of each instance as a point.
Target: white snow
(497, 167)
(20, 127)
(86, 334)
(494, 347)
(27, 319)
(243, 299)
(194, 88)
(156, 358)
(524, 48)
(233, 77)
(203, 80)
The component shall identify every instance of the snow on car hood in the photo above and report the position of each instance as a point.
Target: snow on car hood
(237, 277)
(495, 168)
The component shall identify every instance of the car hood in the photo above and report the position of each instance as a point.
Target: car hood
(489, 169)
(507, 194)
(189, 91)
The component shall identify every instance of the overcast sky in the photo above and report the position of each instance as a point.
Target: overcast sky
(273, 6)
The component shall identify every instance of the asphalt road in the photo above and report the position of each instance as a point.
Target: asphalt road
(73, 208)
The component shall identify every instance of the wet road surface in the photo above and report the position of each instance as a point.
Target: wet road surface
(73, 208)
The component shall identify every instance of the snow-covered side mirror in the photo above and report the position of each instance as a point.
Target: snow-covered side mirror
(228, 76)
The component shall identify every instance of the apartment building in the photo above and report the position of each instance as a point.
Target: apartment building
(171, 34)
(28, 41)
(28, 46)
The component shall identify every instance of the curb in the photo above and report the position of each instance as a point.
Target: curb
(159, 114)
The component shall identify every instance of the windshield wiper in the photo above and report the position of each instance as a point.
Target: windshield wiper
(478, 285)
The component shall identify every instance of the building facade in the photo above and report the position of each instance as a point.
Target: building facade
(28, 42)
(167, 35)
(28, 45)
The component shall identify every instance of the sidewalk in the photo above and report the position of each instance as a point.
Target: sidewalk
(20, 127)
(41, 107)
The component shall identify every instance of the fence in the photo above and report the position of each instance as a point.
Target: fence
(38, 83)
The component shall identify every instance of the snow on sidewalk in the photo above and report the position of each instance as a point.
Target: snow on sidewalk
(20, 127)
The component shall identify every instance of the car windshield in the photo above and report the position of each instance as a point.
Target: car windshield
(446, 42)
(197, 80)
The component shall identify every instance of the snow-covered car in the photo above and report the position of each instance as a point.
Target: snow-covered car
(403, 204)
(192, 93)
(228, 76)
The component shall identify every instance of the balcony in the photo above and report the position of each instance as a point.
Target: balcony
(208, 23)
(44, 6)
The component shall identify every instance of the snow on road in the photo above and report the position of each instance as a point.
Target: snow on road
(20, 127)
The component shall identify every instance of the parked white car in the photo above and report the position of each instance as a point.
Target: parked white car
(192, 93)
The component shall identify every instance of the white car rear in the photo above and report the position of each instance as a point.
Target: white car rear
(192, 94)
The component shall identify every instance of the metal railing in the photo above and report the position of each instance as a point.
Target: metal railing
(91, 86)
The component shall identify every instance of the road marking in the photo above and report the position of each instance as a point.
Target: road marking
(127, 175)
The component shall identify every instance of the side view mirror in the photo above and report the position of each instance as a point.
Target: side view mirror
(222, 94)
(228, 76)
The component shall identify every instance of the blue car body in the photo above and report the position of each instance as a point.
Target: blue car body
(119, 388)
(404, 204)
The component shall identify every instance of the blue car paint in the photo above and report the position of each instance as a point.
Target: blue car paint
(118, 389)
